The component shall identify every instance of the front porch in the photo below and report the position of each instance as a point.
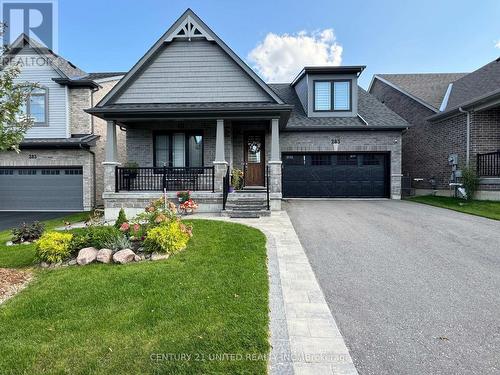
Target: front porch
(192, 154)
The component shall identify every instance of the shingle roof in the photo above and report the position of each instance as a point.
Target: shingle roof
(428, 87)
(101, 75)
(476, 84)
(68, 69)
(373, 112)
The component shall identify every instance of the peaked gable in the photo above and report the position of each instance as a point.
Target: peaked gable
(190, 64)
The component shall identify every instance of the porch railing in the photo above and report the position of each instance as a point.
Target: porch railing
(488, 165)
(268, 204)
(225, 188)
(160, 178)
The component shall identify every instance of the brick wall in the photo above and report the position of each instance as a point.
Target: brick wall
(80, 122)
(426, 146)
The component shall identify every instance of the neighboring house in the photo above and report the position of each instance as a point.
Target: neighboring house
(191, 109)
(451, 113)
(59, 167)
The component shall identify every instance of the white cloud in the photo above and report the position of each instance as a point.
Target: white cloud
(278, 58)
(497, 44)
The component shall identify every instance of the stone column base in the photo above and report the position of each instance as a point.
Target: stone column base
(219, 173)
(274, 176)
(109, 176)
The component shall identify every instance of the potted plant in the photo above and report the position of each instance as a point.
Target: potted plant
(188, 207)
(236, 179)
(131, 169)
(183, 196)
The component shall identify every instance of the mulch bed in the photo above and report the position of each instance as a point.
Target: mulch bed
(12, 281)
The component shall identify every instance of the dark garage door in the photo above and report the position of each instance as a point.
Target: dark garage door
(335, 175)
(41, 189)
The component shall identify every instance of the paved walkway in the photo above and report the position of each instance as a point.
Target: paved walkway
(304, 336)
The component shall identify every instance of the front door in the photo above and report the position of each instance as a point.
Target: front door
(254, 159)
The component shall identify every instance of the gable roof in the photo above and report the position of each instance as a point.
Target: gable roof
(429, 89)
(64, 67)
(372, 114)
(476, 84)
(188, 25)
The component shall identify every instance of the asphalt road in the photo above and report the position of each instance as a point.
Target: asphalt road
(414, 289)
(9, 220)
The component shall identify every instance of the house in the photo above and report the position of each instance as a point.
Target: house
(453, 115)
(59, 167)
(192, 110)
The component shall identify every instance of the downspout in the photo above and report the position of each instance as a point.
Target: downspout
(467, 151)
(94, 171)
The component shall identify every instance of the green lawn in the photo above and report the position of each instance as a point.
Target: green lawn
(208, 300)
(24, 255)
(489, 209)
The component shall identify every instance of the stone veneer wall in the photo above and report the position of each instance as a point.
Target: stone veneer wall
(47, 158)
(350, 141)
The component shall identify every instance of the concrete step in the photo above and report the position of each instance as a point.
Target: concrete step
(245, 214)
(247, 202)
(246, 208)
(246, 198)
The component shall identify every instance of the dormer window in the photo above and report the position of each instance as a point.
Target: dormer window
(332, 96)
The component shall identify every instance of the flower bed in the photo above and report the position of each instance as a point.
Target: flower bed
(155, 234)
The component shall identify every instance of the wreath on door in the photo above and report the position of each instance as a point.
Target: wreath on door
(254, 147)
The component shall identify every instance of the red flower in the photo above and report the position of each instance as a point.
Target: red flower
(125, 227)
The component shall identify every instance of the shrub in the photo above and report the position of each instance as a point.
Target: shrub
(156, 214)
(183, 196)
(122, 218)
(117, 242)
(237, 178)
(27, 232)
(470, 181)
(101, 235)
(169, 237)
(54, 247)
(79, 241)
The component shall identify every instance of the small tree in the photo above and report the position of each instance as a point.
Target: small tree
(122, 218)
(13, 122)
(470, 180)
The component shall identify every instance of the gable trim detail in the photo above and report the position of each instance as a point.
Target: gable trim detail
(190, 24)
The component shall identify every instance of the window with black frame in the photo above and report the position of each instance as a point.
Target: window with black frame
(178, 149)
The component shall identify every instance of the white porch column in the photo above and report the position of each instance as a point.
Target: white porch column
(275, 165)
(275, 140)
(219, 142)
(220, 163)
(111, 160)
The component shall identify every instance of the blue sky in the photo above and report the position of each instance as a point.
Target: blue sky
(387, 36)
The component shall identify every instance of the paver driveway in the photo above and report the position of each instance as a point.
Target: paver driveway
(414, 289)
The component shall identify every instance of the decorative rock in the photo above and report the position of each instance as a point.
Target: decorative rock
(137, 258)
(86, 255)
(124, 256)
(158, 256)
(26, 243)
(105, 256)
(9, 243)
(72, 262)
(44, 265)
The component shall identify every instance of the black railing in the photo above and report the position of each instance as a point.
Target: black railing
(160, 178)
(267, 188)
(225, 188)
(488, 165)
